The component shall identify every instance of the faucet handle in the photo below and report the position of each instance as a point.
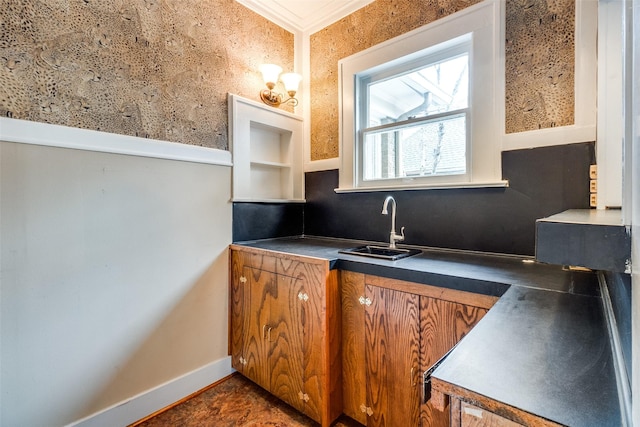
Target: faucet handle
(401, 237)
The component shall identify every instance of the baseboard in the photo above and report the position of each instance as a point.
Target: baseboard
(131, 410)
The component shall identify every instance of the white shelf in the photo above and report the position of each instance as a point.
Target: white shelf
(266, 144)
(270, 164)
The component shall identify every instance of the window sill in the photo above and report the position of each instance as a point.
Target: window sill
(440, 186)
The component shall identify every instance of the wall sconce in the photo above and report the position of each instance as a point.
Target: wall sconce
(291, 81)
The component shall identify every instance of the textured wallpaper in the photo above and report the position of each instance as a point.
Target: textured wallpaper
(539, 60)
(152, 68)
(540, 63)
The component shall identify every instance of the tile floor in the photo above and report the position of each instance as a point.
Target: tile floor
(235, 402)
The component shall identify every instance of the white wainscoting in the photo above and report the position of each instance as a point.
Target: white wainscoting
(114, 263)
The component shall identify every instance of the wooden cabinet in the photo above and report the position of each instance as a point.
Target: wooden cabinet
(453, 401)
(392, 340)
(472, 416)
(284, 328)
(392, 332)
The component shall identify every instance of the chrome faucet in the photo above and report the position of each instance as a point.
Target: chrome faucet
(393, 237)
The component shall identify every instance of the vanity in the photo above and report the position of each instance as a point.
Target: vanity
(331, 332)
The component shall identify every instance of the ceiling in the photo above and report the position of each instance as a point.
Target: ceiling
(307, 16)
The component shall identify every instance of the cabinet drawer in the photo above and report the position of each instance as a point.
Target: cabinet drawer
(472, 416)
(261, 262)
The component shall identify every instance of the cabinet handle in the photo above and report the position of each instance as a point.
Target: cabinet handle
(412, 378)
(242, 361)
(266, 332)
(243, 279)
(364, 301)
(302, 296)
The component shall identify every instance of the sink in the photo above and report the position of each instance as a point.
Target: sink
(382, 252)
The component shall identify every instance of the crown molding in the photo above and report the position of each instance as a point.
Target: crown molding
(308, 16)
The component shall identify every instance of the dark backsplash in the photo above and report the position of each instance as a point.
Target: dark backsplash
(252, 221)
(542, 181)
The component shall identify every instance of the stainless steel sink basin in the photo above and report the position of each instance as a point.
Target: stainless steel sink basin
(382, 252)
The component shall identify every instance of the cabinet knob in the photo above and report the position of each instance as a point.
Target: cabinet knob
(303, 396)
(366, 409)
(364, 301)
(243, 279)
(242, 360)
(302, 296)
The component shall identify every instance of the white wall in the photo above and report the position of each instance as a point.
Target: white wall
(113, 281)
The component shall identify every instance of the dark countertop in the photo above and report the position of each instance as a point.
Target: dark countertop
(546, 353)
(543, 347)
(488, 274)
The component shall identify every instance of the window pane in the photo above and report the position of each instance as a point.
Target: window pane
(431, 148)
(439, 87)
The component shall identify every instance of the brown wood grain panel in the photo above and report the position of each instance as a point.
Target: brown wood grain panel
(262, 261)
(354, 377)
(392, 340)
(334, 341)
(468, 298)
(442, 325)
(279, 255)
(258, 300)
(506, 411)
(315, 346)
(311, 320)
(454, 412)
(286, 341)
(472, 416)
(237, 309)
(285, 321)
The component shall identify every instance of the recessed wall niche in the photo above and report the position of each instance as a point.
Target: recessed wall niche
(266, 144)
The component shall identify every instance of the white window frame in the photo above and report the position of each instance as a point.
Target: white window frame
(460, 45)
(483, 23)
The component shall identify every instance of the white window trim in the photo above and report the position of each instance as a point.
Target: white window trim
(451, 48)
(484, 21)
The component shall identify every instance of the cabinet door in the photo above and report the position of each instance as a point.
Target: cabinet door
(300, 311)
(284, 330)
(472, 416)
(251, 292)
(239, 292)
(354, 375)
(392, 340)
(442, 325)
(255, 350)
(286, 340)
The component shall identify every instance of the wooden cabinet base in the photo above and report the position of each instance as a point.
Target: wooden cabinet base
(483, 412)
(285, 328)
(392, 331)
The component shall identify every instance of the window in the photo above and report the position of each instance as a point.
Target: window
(413, 117)
(419, 110)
